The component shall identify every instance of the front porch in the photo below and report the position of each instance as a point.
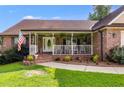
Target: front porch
(64, 43)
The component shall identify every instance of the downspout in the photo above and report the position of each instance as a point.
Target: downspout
(101, 44)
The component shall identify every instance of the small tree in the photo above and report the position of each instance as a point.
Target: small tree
(99, 11)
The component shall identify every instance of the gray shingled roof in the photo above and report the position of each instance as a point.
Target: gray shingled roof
(50, 25)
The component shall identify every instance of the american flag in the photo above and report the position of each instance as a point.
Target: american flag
(21, 40)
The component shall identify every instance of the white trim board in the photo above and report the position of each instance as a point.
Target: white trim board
(122, 38)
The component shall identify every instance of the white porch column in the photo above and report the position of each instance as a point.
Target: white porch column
(35, 43)
(72, 43)
(53, 42)
(91, 43)
(30, 43)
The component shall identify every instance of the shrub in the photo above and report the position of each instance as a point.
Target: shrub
(115, 54)
(13, 55)
(30, 58)
(57, 59)
(10, 56)
(78, 59)
(24, 50)
(95, 58)
(50, 70)
(67, 58)
(2, 60)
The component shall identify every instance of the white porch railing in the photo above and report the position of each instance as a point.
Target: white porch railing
(72, 49)
(62, 49)
(82, 49)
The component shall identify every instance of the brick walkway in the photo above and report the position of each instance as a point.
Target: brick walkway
(114, 70)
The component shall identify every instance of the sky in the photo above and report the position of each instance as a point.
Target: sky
(10, 15)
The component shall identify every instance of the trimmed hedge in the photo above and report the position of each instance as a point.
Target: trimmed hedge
(13, 55)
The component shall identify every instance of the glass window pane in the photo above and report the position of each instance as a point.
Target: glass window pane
(15, 40)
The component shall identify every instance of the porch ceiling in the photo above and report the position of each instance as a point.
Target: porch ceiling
(55, 31)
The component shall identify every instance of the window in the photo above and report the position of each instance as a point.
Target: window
(67, 41)
(15, 40)
(1, 40)
(75, 40)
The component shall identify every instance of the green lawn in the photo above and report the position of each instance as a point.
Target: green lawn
(12, 75)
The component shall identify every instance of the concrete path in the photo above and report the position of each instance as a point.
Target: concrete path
(114, 70)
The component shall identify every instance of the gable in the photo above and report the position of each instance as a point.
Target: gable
(120, 19)
(109, 19)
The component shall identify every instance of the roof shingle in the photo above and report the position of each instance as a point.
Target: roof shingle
(43, 25)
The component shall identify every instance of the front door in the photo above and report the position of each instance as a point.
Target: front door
(47, 44)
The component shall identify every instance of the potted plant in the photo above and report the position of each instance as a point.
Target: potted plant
(30, 58)
(95, 58)
(67, 58)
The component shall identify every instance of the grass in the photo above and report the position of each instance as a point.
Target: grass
(13, 75)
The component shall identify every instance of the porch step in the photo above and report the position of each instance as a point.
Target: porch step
(44, 58)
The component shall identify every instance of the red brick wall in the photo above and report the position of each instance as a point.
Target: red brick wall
(82, 57)
(104, 35)
(7, 43)
(113, 41)
(108, 41)
(96, 43)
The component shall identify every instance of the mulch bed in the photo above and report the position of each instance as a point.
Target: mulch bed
(90, 63)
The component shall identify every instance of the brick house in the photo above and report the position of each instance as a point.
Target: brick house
(69, 37)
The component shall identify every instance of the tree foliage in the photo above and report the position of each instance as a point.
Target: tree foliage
(99, 11)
